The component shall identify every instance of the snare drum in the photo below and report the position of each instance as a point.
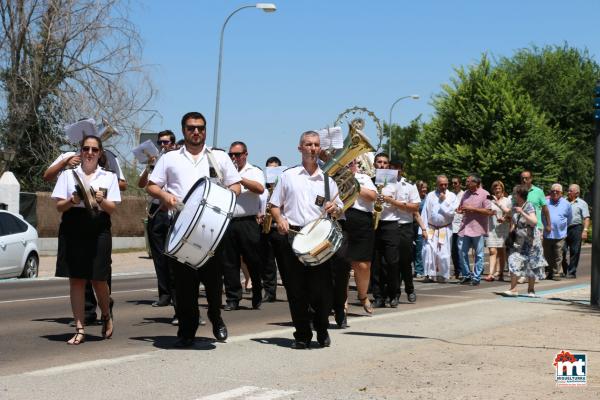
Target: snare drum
(199, 227)
(320, 244)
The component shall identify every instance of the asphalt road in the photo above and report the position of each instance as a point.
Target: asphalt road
(35, 317)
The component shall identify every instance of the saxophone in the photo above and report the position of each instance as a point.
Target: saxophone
(377, 207)
(268, 220)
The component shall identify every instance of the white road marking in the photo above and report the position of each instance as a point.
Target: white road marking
(90, 364)
(249, 393)
(445, 295)
(67, 296)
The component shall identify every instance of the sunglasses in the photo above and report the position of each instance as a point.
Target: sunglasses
(86, 149)
(163, 142)
(238, 154)
(192, 128)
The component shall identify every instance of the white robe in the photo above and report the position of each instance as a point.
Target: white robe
(437, 250)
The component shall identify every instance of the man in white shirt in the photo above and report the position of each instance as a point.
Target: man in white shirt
(178, 171)
(456, 221)
(298, 200)
(242, 238)
(437, 215)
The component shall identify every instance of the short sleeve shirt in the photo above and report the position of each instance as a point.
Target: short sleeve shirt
(65, 185)
(580, 211)
(248, 202)
(538, 200)
(360, 203)
(475, 224)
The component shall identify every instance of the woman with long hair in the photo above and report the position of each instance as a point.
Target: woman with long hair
(86, 235)
(499, 225)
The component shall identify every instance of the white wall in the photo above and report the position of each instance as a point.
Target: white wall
(9, 191)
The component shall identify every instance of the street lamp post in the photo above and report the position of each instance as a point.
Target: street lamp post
(266, 7)
(412, 96)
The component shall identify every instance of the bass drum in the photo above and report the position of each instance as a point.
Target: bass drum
(199, 227)
(318, 246)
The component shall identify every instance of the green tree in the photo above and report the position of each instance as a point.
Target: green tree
(485, 123)
(404, 139)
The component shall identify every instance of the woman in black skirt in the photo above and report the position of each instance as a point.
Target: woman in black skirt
(359, 225)
(85, 235)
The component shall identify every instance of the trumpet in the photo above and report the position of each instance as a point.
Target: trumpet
(107, 131)
(377, 207)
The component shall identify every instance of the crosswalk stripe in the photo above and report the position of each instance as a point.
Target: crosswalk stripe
(270, 395)
(249, 393)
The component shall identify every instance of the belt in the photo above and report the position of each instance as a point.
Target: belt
(246, 218)
(439, 227)
(296, 227)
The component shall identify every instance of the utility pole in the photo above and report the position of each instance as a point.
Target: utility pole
(595, 292)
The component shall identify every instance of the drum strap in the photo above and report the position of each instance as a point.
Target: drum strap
(213, 164)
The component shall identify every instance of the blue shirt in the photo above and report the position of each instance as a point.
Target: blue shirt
(560, 216)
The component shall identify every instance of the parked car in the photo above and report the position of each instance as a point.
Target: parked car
(19, 255)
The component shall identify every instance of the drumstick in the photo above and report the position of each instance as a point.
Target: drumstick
(322, 215)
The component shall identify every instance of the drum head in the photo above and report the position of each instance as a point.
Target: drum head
(186, 219)
(305, 242)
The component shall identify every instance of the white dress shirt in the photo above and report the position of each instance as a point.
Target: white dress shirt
(65, 185)
(180, 171)
(360, 203)
(296, 194)
(408, 193)
(248, 202)
(457, 221)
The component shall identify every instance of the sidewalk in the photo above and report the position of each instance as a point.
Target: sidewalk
(136, 262)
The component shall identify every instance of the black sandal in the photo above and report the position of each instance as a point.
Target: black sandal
(105, 320)
(78, 338)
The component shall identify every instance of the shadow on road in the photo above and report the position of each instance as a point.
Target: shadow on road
(63, 337)
(58, 320)
(168, 342)
(154, 320)
(140, 302)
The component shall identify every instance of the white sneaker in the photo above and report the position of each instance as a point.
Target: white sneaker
(522, 279)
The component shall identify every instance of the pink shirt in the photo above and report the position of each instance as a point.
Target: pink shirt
(475, 224)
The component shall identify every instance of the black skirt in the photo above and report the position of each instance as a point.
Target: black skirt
(361, 236)
(84, 245)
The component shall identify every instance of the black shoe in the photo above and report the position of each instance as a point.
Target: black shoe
(412, 297)
(465, 280)
(394, 302)
(175, 321)
(183, 343)
(256, 302)
(378, 303)
(299, 345)
(163, 301)
(474, 283)
(324, 341)
(91, 319)
(231, 305)
(340, 318)
(220, 331)
(268, 299)
(569, 276)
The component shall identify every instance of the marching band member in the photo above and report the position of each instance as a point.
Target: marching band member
(269, 242)
(158, 227)
(298, 200)
(359, 226)
(438, 214)
(86, 238)
(242, 238)
(177, 171)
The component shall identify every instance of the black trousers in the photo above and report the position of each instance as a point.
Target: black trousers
(573, 244)
(158, 228)
(405, 250)
(340, 273)
(455, 255)
(271, 258)
(385, 265)
(187, 282)
(242, 239)
(306, 287)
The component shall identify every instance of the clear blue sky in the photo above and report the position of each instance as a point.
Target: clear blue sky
(298, 68)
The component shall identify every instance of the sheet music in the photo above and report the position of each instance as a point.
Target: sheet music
(331, 138)
(272, 173)
(386, 176)
(144, 151)
(80, 129)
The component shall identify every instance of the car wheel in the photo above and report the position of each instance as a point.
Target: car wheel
(30, 269)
